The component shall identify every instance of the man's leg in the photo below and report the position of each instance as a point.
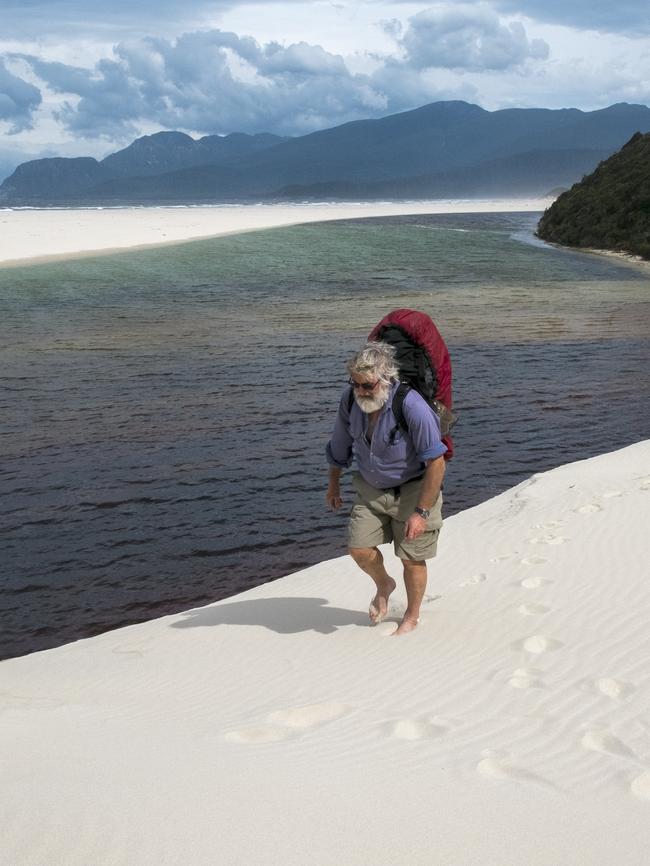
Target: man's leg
(372, 562)
(415, 580)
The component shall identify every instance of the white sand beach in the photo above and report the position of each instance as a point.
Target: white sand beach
(42, 235)
(277, 727)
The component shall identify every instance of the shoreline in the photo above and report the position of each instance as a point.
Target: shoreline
(617, 255)
(257, 726)
(40, 235)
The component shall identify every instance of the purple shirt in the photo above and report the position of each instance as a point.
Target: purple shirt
(394, 456)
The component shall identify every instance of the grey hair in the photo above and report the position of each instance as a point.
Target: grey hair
(375, 358)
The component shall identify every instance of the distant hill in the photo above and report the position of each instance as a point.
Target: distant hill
(173, 151)
(60, 180)
(52, 178)
(609, 209)
(443, 149)
(534, 173)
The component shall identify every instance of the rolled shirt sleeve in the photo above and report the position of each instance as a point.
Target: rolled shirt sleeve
(339, 448)
(423, 427)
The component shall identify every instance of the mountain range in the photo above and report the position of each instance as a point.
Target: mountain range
(445, 149)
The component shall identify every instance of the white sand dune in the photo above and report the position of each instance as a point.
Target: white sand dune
(45, 234)
(277, 727)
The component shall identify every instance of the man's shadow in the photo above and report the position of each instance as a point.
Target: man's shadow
(282, 615)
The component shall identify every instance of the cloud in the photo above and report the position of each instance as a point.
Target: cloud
(468, 38)
(404, 87)
(23, 18)
(629, 17)
(18, 101)
(215, 81)
(299, 59)
(392, 26)
(209, 81)
(108, 100)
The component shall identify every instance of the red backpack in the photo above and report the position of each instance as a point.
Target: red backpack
(424, 364)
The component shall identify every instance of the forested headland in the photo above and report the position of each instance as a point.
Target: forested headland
(610, 208)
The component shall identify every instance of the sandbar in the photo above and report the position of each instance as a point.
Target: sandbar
(33, 234)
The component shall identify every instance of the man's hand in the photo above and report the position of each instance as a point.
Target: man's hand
(429, 492)
(415, 526)
(333, 497)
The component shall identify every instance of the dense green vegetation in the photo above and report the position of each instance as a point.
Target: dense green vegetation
(609, 209)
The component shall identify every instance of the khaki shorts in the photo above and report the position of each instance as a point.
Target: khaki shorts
(378, 517)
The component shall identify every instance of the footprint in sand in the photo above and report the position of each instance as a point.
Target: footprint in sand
(613, 688)
(616, 690)
(501, 558)
(645, 484)
(474, 580)
(533, 560)
(286, 724)
(425, 728)
(534, 582)
(537, 644)
(590, 508)
(552, 540)
(302, 718)
(605, 743)
(532, 609)
(494, 766)
(640, 786)
(526, 678)
(612, 494)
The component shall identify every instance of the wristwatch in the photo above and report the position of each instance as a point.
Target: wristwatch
(423, 512)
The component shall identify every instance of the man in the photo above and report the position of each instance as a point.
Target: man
(398, 480)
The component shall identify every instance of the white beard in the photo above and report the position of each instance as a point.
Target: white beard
(373, 403)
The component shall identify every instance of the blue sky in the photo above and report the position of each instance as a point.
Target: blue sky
(83, 77)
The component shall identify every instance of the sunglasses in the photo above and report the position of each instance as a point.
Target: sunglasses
(365, 386)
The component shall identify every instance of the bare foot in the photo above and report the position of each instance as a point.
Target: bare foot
(407, 624)
(379, 604)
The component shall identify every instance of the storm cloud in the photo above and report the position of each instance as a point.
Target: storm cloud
(18, 100)
(209, 81)
(215, 81)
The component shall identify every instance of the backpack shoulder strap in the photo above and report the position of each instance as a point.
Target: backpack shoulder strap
(398, 403)
(350, 399)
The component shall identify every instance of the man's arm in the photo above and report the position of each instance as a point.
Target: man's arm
(431, 483)
(339, 452)
(429, 492)
(333, 495)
